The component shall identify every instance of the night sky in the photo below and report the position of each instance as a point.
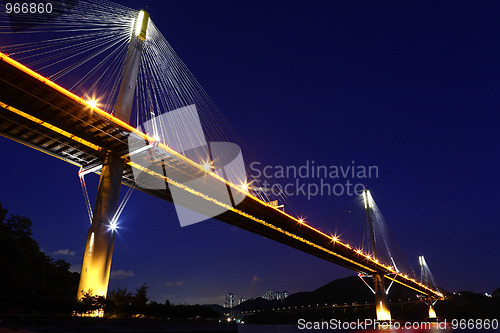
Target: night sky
(408, 86)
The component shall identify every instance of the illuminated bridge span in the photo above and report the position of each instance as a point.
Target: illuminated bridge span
(41, 114)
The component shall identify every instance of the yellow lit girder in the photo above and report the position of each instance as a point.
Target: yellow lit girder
(49, 126)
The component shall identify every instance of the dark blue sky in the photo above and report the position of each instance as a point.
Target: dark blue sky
(411, 87)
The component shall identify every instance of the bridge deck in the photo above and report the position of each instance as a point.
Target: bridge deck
(40, 114)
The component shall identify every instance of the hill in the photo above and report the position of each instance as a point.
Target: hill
(347, 290)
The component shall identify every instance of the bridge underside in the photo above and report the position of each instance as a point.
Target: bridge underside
(44, 116)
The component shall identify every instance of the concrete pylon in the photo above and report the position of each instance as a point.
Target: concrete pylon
(381, 302)
(96, 264)
(426, 277)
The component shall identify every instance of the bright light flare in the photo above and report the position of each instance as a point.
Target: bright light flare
(432, 313)
(92, 103)
(301, 220)
(138, 23)
(383, 314)
(207, 166)
(368, 200)
(113, 226)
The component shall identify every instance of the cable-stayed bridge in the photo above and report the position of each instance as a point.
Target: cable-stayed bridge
(39, 113)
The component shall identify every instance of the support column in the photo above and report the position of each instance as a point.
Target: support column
(426, 277)
(96, 264)
(381, 302)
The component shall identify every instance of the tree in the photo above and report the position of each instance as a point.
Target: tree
(122, 302)
(90, 304)
(31, 281)
(140, 300)
(3, 212)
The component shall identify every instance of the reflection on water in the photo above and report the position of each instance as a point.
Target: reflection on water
(431, 328)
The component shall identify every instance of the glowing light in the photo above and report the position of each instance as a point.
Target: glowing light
(207, 166)
(245, 187)
(367, 198)
(383, 313)
(91, 244)
(335, 238)
(432, 313)
(92, 103)
(301, 220)
(138, 24)
(113, 226)
(141, 25)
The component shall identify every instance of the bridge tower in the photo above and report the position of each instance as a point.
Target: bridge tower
(96, 264)
(381, 302)
(426, 277)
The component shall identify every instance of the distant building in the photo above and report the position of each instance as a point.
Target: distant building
(230, 300)
(275, 295)
(269, 295)
(281, 295)
(241, 300)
